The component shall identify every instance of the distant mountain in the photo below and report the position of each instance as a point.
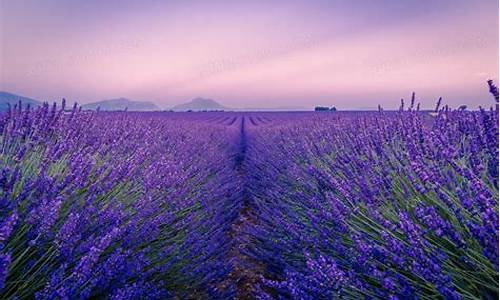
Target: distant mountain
(121, 104)
(199, 104)
(12, 99)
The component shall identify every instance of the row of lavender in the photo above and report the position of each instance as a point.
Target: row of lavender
(114, 205)
(222, 205)
(391, 205)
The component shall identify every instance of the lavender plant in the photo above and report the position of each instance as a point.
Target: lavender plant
(125, 205)
(112, 205)
(378, 205)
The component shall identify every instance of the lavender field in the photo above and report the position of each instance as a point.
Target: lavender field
(227, 205)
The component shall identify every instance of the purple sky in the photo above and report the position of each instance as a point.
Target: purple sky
(352, 54)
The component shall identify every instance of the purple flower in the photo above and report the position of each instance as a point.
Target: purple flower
(5, 260)
(7, 226)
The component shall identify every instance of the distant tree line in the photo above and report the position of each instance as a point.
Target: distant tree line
(325, 108)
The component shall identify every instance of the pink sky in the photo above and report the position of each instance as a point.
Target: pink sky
(352, 54)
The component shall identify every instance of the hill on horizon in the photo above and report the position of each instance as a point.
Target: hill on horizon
(121, 104)
(200, 104)
(13, 99)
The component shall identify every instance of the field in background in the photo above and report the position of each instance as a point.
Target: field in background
(129, 205)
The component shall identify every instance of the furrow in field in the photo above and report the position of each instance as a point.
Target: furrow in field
(246, 270)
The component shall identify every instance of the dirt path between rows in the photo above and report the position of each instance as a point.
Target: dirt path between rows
(246, 270)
